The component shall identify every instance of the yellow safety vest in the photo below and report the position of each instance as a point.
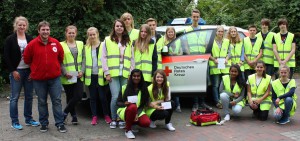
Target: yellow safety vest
(121, 111)
(219, 53)
(113, 58)
(143, 61)
(69, 60)
(196, 41)
(89, 66)
(251, 51)
(284, 49)
(258, 91)
(280, 90)
(236, 88)
(133, 34)
(268, 54)
(150, 110)
(236, 52)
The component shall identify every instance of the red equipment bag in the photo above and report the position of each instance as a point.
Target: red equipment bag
(205, 117)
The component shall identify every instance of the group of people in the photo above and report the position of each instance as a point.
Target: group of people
(130, 62)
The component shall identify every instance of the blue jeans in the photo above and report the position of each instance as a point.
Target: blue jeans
(53, 87)
(97, 91)
(288, 104)
(115, 87)
(215, 82)
(16, 87)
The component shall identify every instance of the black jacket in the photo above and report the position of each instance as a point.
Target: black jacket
(12, 53)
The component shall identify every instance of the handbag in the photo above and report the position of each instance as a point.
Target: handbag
(204, 117)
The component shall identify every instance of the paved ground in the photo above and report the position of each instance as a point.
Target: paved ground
(243, 127)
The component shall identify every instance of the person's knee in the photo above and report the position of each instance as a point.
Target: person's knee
(237, 109)
(145, 122)
(288, 100)
(223, 96)
(131, 107)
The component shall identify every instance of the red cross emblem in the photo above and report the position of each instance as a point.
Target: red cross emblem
(167, 70)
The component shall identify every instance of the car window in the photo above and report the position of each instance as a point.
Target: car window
(242, 35)
(191, 43)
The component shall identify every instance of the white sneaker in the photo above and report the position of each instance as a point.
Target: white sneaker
(129, 134)
(227, 117)
(170, 127)
(152, 124)
(121, 124)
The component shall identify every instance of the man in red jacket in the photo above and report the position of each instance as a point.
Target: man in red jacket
(44, 54)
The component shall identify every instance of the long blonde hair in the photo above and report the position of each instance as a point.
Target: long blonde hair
(88, 40)
(237, 38)
(17, 19)
(168, 40)
(143, 44)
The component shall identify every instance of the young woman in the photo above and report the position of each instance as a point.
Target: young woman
(71, 67)
(258, 91)
(14, 47)
(118, 62)
(236, 48)
(160, 92)
(94, 78)
(129, 25)
(219, 50)
(132, 112)
(175, 49)
(145, 53)
(283, 96)
(232, 90)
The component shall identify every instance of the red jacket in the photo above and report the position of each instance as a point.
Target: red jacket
(44, 60)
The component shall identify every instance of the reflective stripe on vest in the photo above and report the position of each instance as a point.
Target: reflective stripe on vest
(284, 49)
(236, 88)
(280, 90)
(251, 51)
(235, 54)
(268, 54)
(89, 66)
(219, 53)
(196, 41)
(68, 61)
(113, 58)
(143, 61)
(257, 91)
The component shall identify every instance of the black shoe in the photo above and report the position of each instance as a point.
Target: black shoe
(44, 128)
(62, 129)
(74, 120)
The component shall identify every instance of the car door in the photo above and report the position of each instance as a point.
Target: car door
(187, 61)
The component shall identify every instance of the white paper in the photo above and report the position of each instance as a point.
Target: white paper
(132, 99)
(221, 63)
(166, 105)
(74, 75)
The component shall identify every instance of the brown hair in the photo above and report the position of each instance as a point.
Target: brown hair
(237, 38)
(143, 44)
(263, 63)
(151, 20)
(282, 21)
(195, 11)
(265, 21)
(16, 21)
(164, 85)
(125, 37)
(43, 23)
(252, 26)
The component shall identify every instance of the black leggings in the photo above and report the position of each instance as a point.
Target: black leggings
(261, 114)
(74, 94)
(163, 114)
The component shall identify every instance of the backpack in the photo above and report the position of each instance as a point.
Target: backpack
(203, 117)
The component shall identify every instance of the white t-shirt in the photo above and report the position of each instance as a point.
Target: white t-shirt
(22, 44)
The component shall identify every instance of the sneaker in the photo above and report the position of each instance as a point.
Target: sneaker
(195, 107)
(134, 128)
(129, 134)
(152, 124)
(107, 119)
(62, 129)
(284, 121)
(121, 124)
(219, 105)
(32, 123)
(170, 127)
(178, 109)
(227, 117)
(44, 128)
(204, 105)
(113, 125)
(94, 120)
(17, 126)
(74, 120)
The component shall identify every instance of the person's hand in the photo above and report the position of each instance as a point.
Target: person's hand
(80, 74)
(283, 62)
(136, 118)
(236, 95)
(277, 101)
(278, 111)
(232, 103)
(108, 78)
(68, 76)
(216, 61)
(159, 108)
(253, 105)
(16, 75)
(257, 101)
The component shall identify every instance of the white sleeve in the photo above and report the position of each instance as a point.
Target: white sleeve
(169, 93)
